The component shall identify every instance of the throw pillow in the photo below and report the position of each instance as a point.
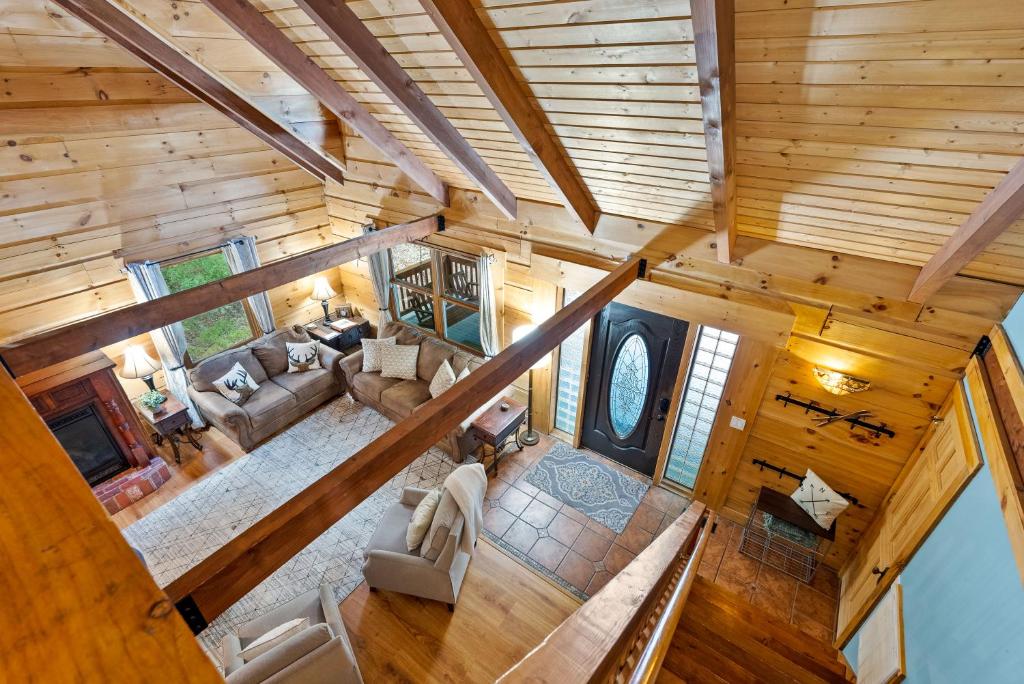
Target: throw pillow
(421, 517)
(303, 356)
(444, 378)
(463, 375)
(371, 353)
(819, 500)
(278, 635)
(236, 385)
(440, 527)
(399, 361)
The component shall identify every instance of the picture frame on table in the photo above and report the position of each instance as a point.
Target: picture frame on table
(345, 310)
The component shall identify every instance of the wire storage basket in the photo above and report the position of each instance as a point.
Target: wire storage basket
(794, 549)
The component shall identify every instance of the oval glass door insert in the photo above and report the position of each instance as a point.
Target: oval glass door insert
(628, 386)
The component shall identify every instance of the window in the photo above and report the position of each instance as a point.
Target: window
(438, 292)
(213, 331)
(570, 366)
(709, 369)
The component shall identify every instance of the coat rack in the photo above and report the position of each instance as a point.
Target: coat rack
(875, 430)
(782, 471)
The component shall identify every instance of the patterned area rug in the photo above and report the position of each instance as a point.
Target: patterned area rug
(603, 493)
(189, 528)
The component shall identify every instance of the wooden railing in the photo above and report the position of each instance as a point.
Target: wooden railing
(623, 631)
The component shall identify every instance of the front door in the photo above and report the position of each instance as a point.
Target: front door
(634, 360)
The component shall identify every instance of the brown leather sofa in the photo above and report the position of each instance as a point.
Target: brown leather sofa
(397, 399)
(282, 398)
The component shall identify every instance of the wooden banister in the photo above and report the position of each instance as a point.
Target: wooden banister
(592, 642)
(654, 652)
(217, 582)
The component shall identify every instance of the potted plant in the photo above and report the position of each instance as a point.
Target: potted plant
(153, 401)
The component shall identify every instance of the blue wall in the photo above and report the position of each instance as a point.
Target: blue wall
(963, 603)
(1014, 325)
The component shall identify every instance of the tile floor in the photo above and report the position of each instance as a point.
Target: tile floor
(586, 554)
(581, 551)
(811, 608)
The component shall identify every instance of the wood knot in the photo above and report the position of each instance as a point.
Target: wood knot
(161, 609)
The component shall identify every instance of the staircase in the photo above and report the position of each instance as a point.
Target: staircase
(723, 639)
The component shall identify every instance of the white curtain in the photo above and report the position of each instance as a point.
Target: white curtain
(488, 307)
(380, 276)
(241, 255)
(147, 282)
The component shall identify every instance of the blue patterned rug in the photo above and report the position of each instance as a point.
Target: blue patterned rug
(603, 493)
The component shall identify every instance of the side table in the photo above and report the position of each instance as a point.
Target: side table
(171, 424)
(341, 341)
(497, 428)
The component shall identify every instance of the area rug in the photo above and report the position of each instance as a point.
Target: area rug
(181, 533)
(606, 495)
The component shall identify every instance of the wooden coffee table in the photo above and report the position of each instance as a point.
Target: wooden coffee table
(172, 423)
(497, 428)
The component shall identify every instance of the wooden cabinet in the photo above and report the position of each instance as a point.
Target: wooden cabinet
(945, 460)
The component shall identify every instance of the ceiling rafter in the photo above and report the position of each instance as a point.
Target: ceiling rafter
(714, 37)
(349, 33)
(999, 209)
(470, 39)
(198, 82)
(272, 42)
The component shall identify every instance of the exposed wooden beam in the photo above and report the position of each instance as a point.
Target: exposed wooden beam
(79, 605)
(233, 570)
(999, 209)
(472, 42)
(272, 42)
(78, 338)
(350, 34)
(193, 79)
(715, 48)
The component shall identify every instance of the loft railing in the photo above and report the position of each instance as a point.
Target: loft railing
(622, 633)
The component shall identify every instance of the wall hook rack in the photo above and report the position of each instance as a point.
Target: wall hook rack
(783, 472)
(875, 430)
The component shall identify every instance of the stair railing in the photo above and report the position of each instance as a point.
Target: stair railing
(606, 639)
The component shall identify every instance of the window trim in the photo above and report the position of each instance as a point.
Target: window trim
(254, 328)
(435, 292)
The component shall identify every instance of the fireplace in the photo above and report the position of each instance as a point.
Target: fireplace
(89, 444)
(88, 411)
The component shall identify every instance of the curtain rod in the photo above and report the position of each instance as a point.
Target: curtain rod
(189, 254)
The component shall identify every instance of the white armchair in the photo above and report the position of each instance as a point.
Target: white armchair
(320, 654)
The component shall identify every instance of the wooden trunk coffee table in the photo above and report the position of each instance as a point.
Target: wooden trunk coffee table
(497, 428)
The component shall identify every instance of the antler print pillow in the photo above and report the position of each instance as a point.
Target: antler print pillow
(236, 385)
(303, 356)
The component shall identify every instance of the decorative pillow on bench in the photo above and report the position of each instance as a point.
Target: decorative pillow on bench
(371, 352)
(399, 361)
(303, 356)
(819, 500)
(236, 385)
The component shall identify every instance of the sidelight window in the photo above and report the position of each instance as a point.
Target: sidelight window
(705, 383)
(570, 367)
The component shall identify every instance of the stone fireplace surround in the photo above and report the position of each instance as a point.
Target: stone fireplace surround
(65, 387)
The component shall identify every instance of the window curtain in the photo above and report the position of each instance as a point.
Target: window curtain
(488, 307)
(241, 256)
(380, 276)
(147, 282)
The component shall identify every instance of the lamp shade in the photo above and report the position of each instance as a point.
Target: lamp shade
(521, 332)
(322, 289)
(137, 363)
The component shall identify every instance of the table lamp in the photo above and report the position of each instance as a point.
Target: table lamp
(530, 437)
(139, 364)
(323, 291)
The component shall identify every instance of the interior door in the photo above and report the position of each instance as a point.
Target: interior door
(634, 360)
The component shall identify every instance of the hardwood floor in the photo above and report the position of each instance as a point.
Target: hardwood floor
(218, 451)
(503, 611)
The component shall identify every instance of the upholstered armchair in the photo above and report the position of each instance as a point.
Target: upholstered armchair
(320, 654)
(389, 565)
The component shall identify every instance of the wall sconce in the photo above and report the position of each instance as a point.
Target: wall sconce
(839, 383)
